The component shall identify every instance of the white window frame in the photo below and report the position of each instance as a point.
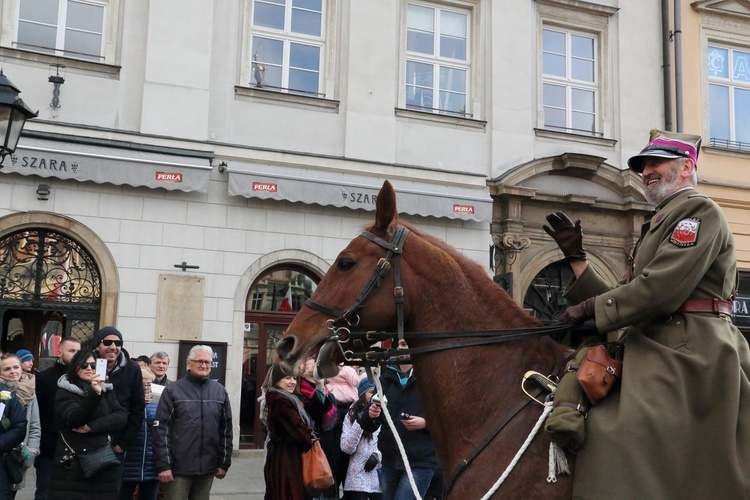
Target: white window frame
(584, 19)
(730, 83)
(108, 49)
(325, 43)
(468, 8)
(570, 84)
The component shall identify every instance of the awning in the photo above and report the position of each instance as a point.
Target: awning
(104, 164)
(358, 191)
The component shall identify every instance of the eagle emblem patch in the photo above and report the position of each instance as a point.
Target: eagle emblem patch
(685, 233)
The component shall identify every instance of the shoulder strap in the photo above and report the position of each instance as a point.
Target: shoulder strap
(66, 443)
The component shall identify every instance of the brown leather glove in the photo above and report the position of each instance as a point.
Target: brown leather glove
(569, 236)
(577, 314)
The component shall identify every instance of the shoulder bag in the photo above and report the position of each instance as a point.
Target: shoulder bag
(14, 464)
(316, 472)
(95, 461)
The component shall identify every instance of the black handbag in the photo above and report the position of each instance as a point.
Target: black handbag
(95, 461)
(14, 465)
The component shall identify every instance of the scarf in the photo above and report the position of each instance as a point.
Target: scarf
(297, 403)
(24, 387)
(331, 417)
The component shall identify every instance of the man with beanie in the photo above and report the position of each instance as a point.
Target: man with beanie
(46, 390)
(27, 360)
(125, 375)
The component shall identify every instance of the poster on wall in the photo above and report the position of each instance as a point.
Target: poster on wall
(218, 366)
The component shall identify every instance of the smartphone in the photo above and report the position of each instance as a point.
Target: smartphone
(376, 399)
(101, 368)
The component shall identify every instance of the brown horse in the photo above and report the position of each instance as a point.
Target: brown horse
(464, 391)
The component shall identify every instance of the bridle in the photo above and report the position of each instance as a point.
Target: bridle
(346, 320)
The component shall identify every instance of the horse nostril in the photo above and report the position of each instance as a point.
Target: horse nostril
(285, 346)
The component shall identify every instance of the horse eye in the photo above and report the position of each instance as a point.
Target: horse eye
(345, 264)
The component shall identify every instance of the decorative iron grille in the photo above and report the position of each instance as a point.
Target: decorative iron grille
(41, 266)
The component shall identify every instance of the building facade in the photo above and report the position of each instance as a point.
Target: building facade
(197, 165)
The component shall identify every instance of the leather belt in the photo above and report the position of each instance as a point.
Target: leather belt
(716, 306)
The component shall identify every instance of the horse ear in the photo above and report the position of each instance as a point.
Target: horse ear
(385, 208)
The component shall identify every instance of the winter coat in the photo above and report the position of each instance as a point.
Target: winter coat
(78, 405)
(46, 389)
(418, 444)
(679, 426)
(14, 434)
(288, 437)
(192, 433)
(139, 459)
(359, 448)
(32, 438)
(127, 379)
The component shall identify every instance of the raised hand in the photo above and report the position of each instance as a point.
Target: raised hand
(569, 236)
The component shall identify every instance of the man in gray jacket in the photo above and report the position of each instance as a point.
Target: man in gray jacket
(192, 434)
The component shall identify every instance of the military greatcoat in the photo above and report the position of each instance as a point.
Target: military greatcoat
(679, 426)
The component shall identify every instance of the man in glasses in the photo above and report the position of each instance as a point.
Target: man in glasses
(193, 431)
(125, 375)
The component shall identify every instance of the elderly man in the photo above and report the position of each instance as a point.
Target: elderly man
(685, 392)
(125, 375)
(46, 390)
(193, 431)
(158, 364)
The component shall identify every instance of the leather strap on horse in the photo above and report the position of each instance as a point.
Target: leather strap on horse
(715, 306)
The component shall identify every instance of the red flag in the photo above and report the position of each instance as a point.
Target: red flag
(286, 304)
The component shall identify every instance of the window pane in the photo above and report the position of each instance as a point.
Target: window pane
(36, 34)
(582, 69)
(554, 118)
(86, 17)
(717, 62)
(306, 22)
(316, 5)
(581, 46)
(418, 98)
(553, 41)
(42, 11)
(718, 98)
(83, 43)
(553, 65)
(742, 115)
(420, 18)
(741, 70)
(419, 74)
(455, 48)
(266, 50)
(583, 121)
(272, 75)
(453, 23)
(306, 81)
(582, 100)
(554, 95)
(455, 103)
(270, 16)
(453, 79)
(417, 41)
(304, 57)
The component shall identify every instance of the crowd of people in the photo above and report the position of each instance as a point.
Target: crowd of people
(343, 415)
(168, 444)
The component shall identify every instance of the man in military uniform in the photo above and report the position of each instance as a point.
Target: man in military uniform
(679, 426)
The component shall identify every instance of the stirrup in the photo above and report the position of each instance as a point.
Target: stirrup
(547, 385)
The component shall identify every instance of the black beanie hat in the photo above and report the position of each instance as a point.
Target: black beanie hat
(103, 332)
(277, 374)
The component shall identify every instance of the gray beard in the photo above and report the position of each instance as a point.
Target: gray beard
(665, 188)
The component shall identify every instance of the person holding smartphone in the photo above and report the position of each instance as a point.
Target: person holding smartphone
(402, 400)
(87, 413)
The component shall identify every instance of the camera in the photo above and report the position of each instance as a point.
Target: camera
(405, 416)
(376, 399)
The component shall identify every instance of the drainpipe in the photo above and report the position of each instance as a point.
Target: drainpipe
(666, 70)
(678, 62)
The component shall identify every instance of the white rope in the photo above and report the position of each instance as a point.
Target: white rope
(384, 409)
(547, 409)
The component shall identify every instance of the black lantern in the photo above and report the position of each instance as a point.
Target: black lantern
(13, 116)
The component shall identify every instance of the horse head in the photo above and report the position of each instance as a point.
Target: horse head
(338, 298)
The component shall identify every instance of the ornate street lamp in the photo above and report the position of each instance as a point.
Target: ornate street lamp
(13, 116)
